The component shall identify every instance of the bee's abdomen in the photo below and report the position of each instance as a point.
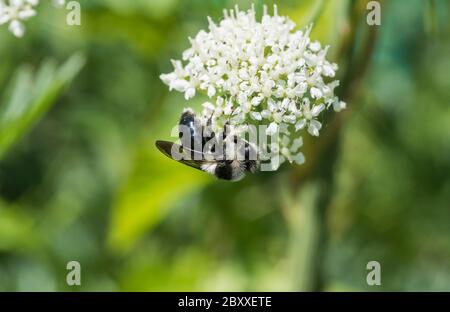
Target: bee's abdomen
(230, 170)
(224, 172)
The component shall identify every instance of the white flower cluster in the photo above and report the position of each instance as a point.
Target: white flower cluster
(15, 12)
(259, 73)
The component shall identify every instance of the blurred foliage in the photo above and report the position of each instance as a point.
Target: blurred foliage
(27, 99)
(82, 180)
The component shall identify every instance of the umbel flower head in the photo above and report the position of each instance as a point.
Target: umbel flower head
(259, 72)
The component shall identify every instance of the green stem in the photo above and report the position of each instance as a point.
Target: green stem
(308, 255)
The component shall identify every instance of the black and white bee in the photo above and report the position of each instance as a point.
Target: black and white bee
(224, 155)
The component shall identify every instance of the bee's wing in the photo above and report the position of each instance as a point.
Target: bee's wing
(166, 148)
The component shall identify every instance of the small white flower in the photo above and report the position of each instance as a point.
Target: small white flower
(15, 12)
(289, 150)
(300, 124)
(59, 3)
(190, 93)
(314, 127)
(256, 116)
(208, 109)
(339, 105)
(316, 93)
(309, 118)
(274, 111)
(272, 128)
(315, 46)
(211, 91)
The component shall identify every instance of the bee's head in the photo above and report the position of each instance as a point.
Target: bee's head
(188, 118)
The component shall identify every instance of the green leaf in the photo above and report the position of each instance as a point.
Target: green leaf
(16, 228)
(430, 19)
(29, 97)
(154, 185)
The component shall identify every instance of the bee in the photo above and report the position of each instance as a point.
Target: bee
(223, 155)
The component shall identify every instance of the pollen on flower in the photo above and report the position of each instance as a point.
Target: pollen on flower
(261, 72)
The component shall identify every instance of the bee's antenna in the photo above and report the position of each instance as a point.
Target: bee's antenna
(227, 124)
(210, 117)
(209, 131)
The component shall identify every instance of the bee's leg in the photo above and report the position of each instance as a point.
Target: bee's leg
(227, 126)
(208, 134)
(226, 130)
(209, 121)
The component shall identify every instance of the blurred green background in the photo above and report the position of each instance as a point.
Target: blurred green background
(80, 178)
